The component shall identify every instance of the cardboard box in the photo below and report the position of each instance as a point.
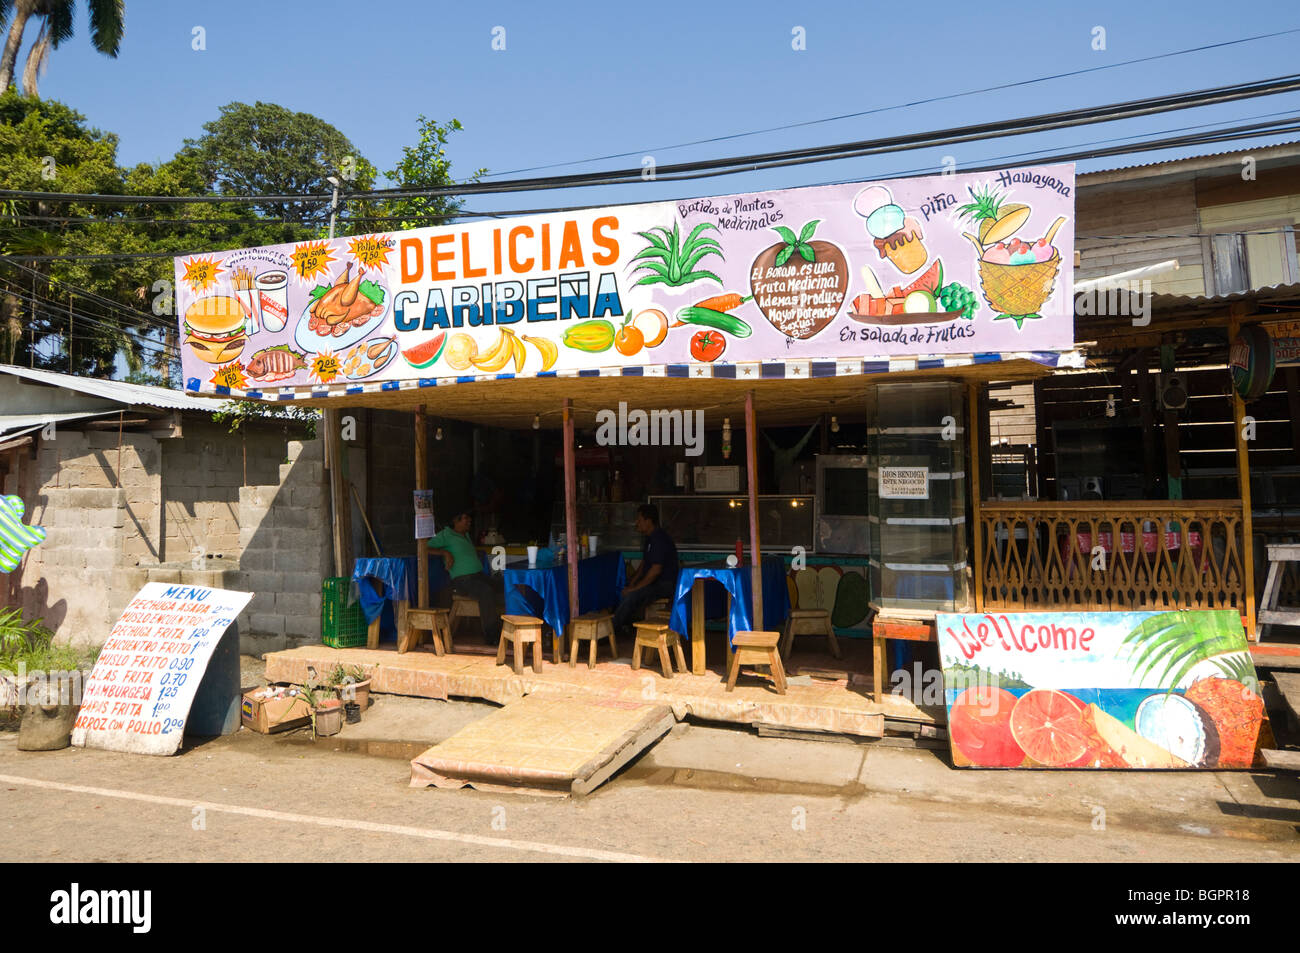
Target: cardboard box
(271, 713)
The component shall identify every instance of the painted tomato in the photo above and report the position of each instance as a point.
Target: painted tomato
(707, 345)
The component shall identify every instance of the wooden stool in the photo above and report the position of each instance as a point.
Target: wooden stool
(809, 622)
(1270, 613)
(756, 648)
(593, 626)
(660, 610)
(437, 622)
(463, 607)
(521, 630)
(657, 635)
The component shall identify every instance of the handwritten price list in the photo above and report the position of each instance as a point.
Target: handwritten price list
(143, 684)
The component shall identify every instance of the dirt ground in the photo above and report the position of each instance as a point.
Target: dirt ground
(701, 793)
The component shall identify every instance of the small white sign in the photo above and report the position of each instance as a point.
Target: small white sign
(424, 528)
(139, 694)
(904, 483)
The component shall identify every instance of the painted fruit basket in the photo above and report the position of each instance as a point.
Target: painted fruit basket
(1019, 289)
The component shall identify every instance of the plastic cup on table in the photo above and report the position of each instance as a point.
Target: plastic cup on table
(532, 557)
(591, 540)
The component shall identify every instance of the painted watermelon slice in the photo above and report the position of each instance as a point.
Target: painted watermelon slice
(423, 355)
(930, 282)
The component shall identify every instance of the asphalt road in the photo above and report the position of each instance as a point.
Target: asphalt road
(253, 797)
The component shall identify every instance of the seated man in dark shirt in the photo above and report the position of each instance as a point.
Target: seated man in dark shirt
(656, 578)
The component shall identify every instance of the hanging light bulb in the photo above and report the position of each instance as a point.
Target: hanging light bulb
(835, 425)
(1110, 405)
(437, 434)
(726, 438)
(537, 421)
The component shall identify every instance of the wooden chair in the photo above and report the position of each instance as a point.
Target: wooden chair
(657, 635)
(756, 648)
(437, 622)
(809, 622)
(463, 607)
(521, 630)
(661, 610)
(593, 627)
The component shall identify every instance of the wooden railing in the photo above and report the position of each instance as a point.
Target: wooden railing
(1112, 556)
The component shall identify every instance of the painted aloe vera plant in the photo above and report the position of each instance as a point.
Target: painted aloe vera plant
(1179, 641)
(674, 262)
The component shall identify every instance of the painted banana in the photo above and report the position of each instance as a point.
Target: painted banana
(520, 353)
(549, 350)
(498, 357)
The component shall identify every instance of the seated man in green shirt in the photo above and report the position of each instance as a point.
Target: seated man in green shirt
(458, 554)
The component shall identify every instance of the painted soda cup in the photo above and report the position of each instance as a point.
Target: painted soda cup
(273, 299)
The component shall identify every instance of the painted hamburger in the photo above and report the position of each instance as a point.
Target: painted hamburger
(215, 329)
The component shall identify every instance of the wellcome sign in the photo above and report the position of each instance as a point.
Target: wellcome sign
(1100, 689)
(963, 264)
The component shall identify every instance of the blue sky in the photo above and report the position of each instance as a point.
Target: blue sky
(589, 79)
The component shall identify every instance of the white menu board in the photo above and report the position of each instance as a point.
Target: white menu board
(140, 692)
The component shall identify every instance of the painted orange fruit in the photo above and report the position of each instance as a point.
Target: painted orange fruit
(979, 724)
(1049, 727)
(629, 340)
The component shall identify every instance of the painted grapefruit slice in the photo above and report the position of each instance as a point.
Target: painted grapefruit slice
(1049, 727)
(979, 724)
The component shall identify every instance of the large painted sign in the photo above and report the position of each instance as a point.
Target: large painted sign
(956, 264)
(1100, 690)
(139, 693)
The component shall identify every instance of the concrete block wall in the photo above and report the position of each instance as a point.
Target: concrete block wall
(99, 533)
(202, 474)
(286, 551)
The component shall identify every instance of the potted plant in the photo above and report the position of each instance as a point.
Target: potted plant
(352, 683)
(326, 709)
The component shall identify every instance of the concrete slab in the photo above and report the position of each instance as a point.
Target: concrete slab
(817, 706)
(544, 744)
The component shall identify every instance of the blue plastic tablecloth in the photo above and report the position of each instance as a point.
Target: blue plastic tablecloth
(398, 577)
(737, 581)
(544, 592)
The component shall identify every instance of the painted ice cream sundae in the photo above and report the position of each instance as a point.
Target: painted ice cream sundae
(896, 236)
(1017, 276)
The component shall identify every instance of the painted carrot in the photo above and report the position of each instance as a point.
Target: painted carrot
(726, 302)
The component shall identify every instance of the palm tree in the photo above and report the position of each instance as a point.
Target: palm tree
(106, 28)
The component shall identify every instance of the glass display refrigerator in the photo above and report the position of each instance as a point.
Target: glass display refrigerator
(916, 499)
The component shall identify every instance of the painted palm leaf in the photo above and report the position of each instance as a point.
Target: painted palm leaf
(1176, 642)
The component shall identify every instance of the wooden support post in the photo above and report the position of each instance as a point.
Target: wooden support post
(1292, 377)
(570, 510)
(421, 483)
(1173, 461)
(972, 466)
(1243, 485)
(339, 499)
(751, 468)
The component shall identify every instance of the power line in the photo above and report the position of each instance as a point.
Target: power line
(56, 312)
(725, 166)
(72, 289)
(1253, 130)
(908, 105)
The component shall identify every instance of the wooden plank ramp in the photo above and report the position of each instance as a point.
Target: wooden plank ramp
(544, 744)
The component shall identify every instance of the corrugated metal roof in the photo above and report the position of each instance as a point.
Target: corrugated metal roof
(119, 391)
(13, 425)
(1199, 157)
(1269, 294)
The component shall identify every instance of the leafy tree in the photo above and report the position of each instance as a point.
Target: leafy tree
(425, 166)
(265, 149)
(107, 24)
